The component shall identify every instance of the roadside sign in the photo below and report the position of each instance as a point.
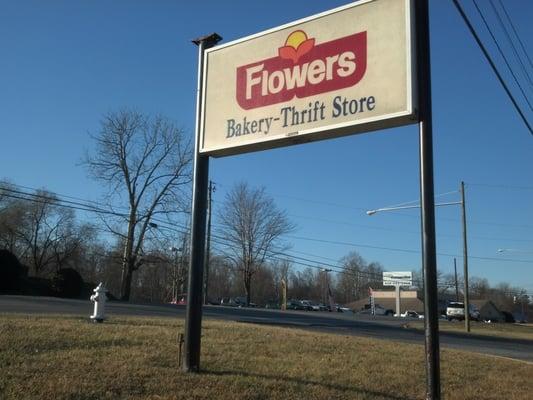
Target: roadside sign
(404, 278)
(344, 71)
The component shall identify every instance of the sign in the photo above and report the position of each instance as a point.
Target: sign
(345, 71)
(398, 278)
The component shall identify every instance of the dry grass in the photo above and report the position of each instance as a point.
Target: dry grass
(136, 358)
(511, 331)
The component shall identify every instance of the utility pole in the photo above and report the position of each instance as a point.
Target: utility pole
(465, 259)
(175, 287)
(456, 282)
(328, 296)
(283, 295)
(208, 241)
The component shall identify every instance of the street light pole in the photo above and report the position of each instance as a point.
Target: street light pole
(465, 259)
(462, 203)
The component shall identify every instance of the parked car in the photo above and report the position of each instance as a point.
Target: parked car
(456, 311)
(295, 305)
(345, 310)
(228, 301)
(240, 301)
(338, 308)
(181, 300)
(411, 314)
(378, 310)
(308, 305)
(316, 307)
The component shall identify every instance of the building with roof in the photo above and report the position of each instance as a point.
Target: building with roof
(409, 300)
(413, 300)
(488, 310)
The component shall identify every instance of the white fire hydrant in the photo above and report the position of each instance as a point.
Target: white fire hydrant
(99, 297)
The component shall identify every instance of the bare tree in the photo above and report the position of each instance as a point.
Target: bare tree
(222, 274)
(358, 276)
(44, 225)
(145, 162)
(254, 226)
(352, 282)
(72, 243)
(281, 270)
(41, 231)
(12, 217)
(308, 284)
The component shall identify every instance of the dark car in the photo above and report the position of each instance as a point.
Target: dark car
(307, 305)
(228, 301)
(295, 305)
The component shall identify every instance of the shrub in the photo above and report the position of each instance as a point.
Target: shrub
(67, 282)
(12, 272)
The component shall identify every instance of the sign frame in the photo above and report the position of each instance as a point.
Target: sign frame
(423, 115)
(332, 130)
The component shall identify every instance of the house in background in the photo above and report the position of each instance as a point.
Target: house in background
(488, 310)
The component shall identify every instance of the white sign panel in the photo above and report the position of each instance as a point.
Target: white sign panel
(345, 71)
(404, 278)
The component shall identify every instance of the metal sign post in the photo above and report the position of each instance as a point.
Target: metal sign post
(193, 316)
(427, 201)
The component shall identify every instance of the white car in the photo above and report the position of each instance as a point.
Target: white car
(456, 310)
(411, 314)
(378, 310)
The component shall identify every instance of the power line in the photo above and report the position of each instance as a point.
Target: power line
(501, 186)
(502, 54)
(516, 33)
(74, 205)
(42, 199)
(418, 200)
(301, 261)
(491, 63)
(307, 200)
(278, 256)
(93, 203)
(515, 51)
(404, 250)
(380, 228)
(52, 192)
(46, 200)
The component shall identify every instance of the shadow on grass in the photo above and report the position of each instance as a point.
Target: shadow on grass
(326, 385)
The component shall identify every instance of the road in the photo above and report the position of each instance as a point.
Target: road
(385, 328)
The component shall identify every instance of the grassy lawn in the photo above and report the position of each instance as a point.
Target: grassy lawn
(512, 331)
(136, 358)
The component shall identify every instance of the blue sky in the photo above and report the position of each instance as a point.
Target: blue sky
(65, 63)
